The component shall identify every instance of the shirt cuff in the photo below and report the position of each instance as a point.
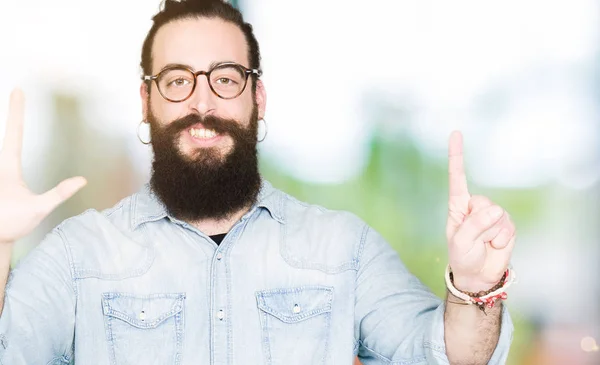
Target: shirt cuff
(435, 349)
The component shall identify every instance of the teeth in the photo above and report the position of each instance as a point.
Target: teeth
(203, 133)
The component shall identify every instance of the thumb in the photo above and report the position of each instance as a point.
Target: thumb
(61, 192)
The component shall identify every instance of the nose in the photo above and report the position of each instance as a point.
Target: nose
(202, 100)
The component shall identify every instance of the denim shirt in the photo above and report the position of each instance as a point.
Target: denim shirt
(291, 283)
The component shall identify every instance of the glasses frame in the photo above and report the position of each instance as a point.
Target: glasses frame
(246, 71)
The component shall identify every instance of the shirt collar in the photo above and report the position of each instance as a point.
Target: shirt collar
(147, 207)
(270, 199)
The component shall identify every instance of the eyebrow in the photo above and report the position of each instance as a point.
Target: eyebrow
(182, 65)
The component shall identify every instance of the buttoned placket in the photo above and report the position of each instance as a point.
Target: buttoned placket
(221, 296)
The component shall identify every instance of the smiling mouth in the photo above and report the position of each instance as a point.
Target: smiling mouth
(203, 133)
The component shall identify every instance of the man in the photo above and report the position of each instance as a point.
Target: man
(210, 264)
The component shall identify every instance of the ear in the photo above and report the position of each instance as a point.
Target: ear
(261, 98)
(144, 94)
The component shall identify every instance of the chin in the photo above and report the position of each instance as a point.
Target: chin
(194, 153)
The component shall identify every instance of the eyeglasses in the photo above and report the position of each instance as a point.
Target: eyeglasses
(226, 80)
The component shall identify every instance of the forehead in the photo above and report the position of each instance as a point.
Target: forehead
(198, 42)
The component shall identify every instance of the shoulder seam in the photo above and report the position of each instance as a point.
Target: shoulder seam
(305, 204)
(361, 246)
(110, 211)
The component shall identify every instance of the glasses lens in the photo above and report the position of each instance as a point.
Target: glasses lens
(228, 81)
(176, 84)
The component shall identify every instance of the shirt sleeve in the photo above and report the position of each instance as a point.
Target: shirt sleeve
(38, 319)
(398, 320)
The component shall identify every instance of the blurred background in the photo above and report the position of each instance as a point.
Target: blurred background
(362, 98)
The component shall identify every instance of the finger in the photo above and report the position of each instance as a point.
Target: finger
(502, 239)
(456, 169)
(13, 139)
(63, 191)
(506, 234)
(504, 223)
(478, 203)
(501, 258)
(476, 224)
(492, 233)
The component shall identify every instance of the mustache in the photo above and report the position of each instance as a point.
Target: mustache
(219, 125)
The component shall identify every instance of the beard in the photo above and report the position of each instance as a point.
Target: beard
(208, 184)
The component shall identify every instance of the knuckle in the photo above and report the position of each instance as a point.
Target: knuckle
(481, 199)
(491, 214)
(483, 223)
(508, 223)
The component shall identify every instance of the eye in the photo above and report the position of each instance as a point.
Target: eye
(225, 81)
(179, 82)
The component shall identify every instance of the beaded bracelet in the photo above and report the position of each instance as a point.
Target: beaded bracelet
(481, 293)
(483, 298)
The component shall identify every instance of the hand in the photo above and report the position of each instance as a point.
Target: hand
(20, 209)
(480, 234)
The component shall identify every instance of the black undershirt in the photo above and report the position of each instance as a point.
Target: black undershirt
(218, 238)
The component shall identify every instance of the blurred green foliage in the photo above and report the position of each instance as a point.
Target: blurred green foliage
(402, 193)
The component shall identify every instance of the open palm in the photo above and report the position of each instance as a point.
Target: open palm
(20, 209)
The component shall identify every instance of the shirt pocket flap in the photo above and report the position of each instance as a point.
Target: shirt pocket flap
(142, 311)
(291, 305)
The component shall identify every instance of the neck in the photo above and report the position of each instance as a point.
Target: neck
(212, 227)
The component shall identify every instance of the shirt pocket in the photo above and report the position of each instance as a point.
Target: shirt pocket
(144, 329)
(295, 324)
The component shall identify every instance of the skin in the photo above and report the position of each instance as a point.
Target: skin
(199, 43)
(21, 210)
(182, 42)
(481, 237)
(479, 243)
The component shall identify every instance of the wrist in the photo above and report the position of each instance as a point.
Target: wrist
(482, 298)
(467, 284)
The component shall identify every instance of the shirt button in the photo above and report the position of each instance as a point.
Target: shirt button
(296, 309)
(219, 256)
(221, 315)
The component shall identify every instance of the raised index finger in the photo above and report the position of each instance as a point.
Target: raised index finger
(13, 140)
(456, 167)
